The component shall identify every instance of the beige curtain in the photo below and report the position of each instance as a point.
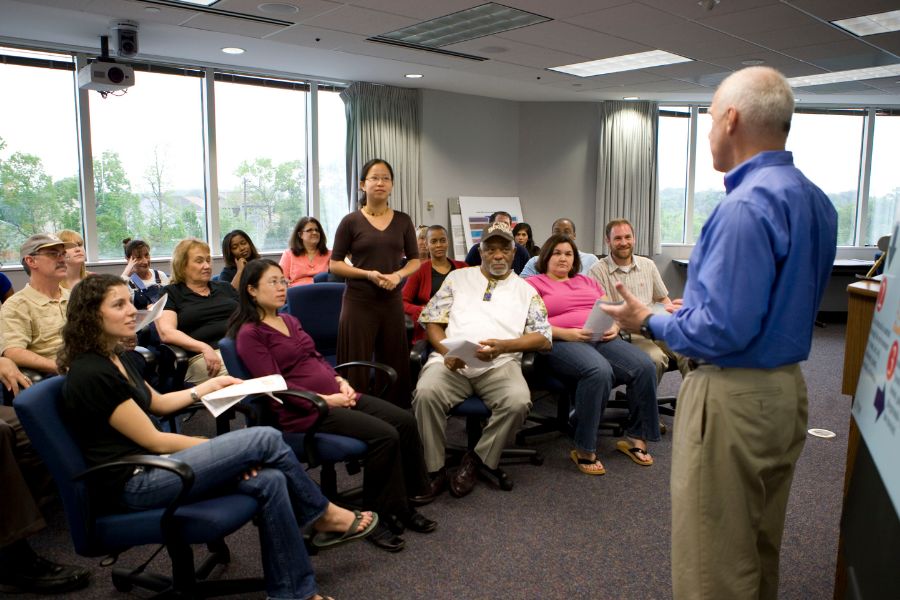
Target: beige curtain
(384, 122)
(627, 179)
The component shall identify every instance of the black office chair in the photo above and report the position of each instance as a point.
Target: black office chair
(177, 526)
(476, 412)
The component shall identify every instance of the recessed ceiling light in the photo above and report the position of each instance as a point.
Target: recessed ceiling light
(871, 24)
(151, 9)
(277, 8)
(631, 98)
(233, 50)
(414, 76)
(753, 62)
(617, 64)
(197, 2)
(842, 76)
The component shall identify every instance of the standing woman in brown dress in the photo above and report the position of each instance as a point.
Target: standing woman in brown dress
(377, 238)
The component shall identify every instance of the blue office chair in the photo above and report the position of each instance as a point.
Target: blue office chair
(318, 308)
(311, 447)
(177, 526)
(476, 412)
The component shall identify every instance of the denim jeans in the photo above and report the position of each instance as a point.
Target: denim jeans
(288, 498)
(595, 368)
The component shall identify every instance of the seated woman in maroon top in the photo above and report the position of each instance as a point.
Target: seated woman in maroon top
(267, 342)
(424, 283)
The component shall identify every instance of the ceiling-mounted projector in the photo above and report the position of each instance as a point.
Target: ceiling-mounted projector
(105, 76)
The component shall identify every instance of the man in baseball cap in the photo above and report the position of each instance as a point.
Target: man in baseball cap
(32, 318)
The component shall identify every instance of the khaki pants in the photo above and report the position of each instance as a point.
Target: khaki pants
(661, 355)
(439, 389)
(737, 436)
(196, 371)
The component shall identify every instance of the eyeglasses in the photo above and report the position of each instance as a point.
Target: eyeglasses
(377, 179)
(51, 254)
(313, 230)
(274, 283)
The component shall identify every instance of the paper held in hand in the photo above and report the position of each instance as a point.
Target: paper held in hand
(598, 322)
(219, 401)
(152, 313)
(465, 351)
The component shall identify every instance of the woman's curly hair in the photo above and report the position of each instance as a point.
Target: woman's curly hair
(83, 331)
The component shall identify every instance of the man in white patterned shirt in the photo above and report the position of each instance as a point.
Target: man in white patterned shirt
(641, 277)
(491, 306)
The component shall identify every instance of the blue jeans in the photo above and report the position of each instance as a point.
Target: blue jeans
(596, 368)
(288, 498)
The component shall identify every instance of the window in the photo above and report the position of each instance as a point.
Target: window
(333, 203)
(148, 163)
(827, 148)
(39, 182)
(674, 136)
(261, 148)
(709, 184)
(884, 185)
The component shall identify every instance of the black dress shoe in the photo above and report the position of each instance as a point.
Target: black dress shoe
(436, 487)
(385, 539)
(419, 523)
(463, 479)
(394, 523)
(40, 576)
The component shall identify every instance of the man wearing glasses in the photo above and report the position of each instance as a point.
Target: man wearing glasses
(32, 319)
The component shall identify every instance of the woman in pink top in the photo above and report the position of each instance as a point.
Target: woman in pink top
(594, 364)
(308, 254)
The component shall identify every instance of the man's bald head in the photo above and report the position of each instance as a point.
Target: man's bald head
(762, 97)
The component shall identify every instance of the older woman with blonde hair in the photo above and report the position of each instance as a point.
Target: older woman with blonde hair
(197, 309)
(75, 258)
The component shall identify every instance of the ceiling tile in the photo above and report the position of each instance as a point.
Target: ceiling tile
(421, 10)
(236, 26)
(691, 9)
(817, 33)
(847, 87)
(405, 55)
(362, 21)
(655, 28)
(517, 53)
(561, 9)
(307, 9)
(790, 67)
(842, 56)
(315, 37)
(833, 10)
(764, 18)
(135, 11)
(565, 37)
(887, 41)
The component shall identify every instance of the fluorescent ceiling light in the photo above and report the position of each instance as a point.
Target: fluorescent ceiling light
(871, 24)
(617, 64)
(414, 76)
(196, 2)
(842, 76)
(476, 22)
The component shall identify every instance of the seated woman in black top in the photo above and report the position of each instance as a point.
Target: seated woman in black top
(197, 311)
(237, 250)
(108, 407)
(524, 237)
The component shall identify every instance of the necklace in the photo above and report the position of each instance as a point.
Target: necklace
(372, 213)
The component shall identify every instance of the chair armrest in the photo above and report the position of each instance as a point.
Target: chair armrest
(322, 410)
(146, 354)
(389, 371)
(173, 365)
(181, 469)
(418, 354)
(528, 363)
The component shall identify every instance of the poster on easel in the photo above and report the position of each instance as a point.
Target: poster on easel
(876, 407)
(476, 210)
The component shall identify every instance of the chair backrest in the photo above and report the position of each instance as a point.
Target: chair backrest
(318, 307)
(38, 410)
(233, 362)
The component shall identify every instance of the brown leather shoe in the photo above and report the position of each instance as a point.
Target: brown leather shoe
(463, 479)
(436, 487)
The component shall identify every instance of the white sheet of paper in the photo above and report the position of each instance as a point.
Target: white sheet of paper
(152, 313)
(598, 322)
(465, 350)
(219, 401)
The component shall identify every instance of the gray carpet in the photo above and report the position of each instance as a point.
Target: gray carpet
(559, 534)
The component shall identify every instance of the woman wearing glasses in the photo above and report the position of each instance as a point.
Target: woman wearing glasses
(308, 254)
(378, 238)
(269, 342)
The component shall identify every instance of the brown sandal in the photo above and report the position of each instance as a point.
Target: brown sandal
(586, 465)
(633, 452)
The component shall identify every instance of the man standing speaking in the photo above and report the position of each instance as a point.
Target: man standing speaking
(755, 280)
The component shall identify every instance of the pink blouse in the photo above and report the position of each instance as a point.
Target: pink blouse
(299, 271)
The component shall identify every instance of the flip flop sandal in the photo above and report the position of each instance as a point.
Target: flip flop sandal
(329, 539)
(633, 452)
(584, 464)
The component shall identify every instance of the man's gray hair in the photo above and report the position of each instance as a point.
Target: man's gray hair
(762, 97)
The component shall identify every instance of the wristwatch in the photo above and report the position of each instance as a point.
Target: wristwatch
(195, 397)
(645, 328)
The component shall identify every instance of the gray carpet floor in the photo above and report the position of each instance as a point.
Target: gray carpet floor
(558, 534)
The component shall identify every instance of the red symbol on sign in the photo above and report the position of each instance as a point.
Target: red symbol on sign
(892, 360)
(881, 294)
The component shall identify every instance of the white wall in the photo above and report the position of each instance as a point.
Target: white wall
(470, 147)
